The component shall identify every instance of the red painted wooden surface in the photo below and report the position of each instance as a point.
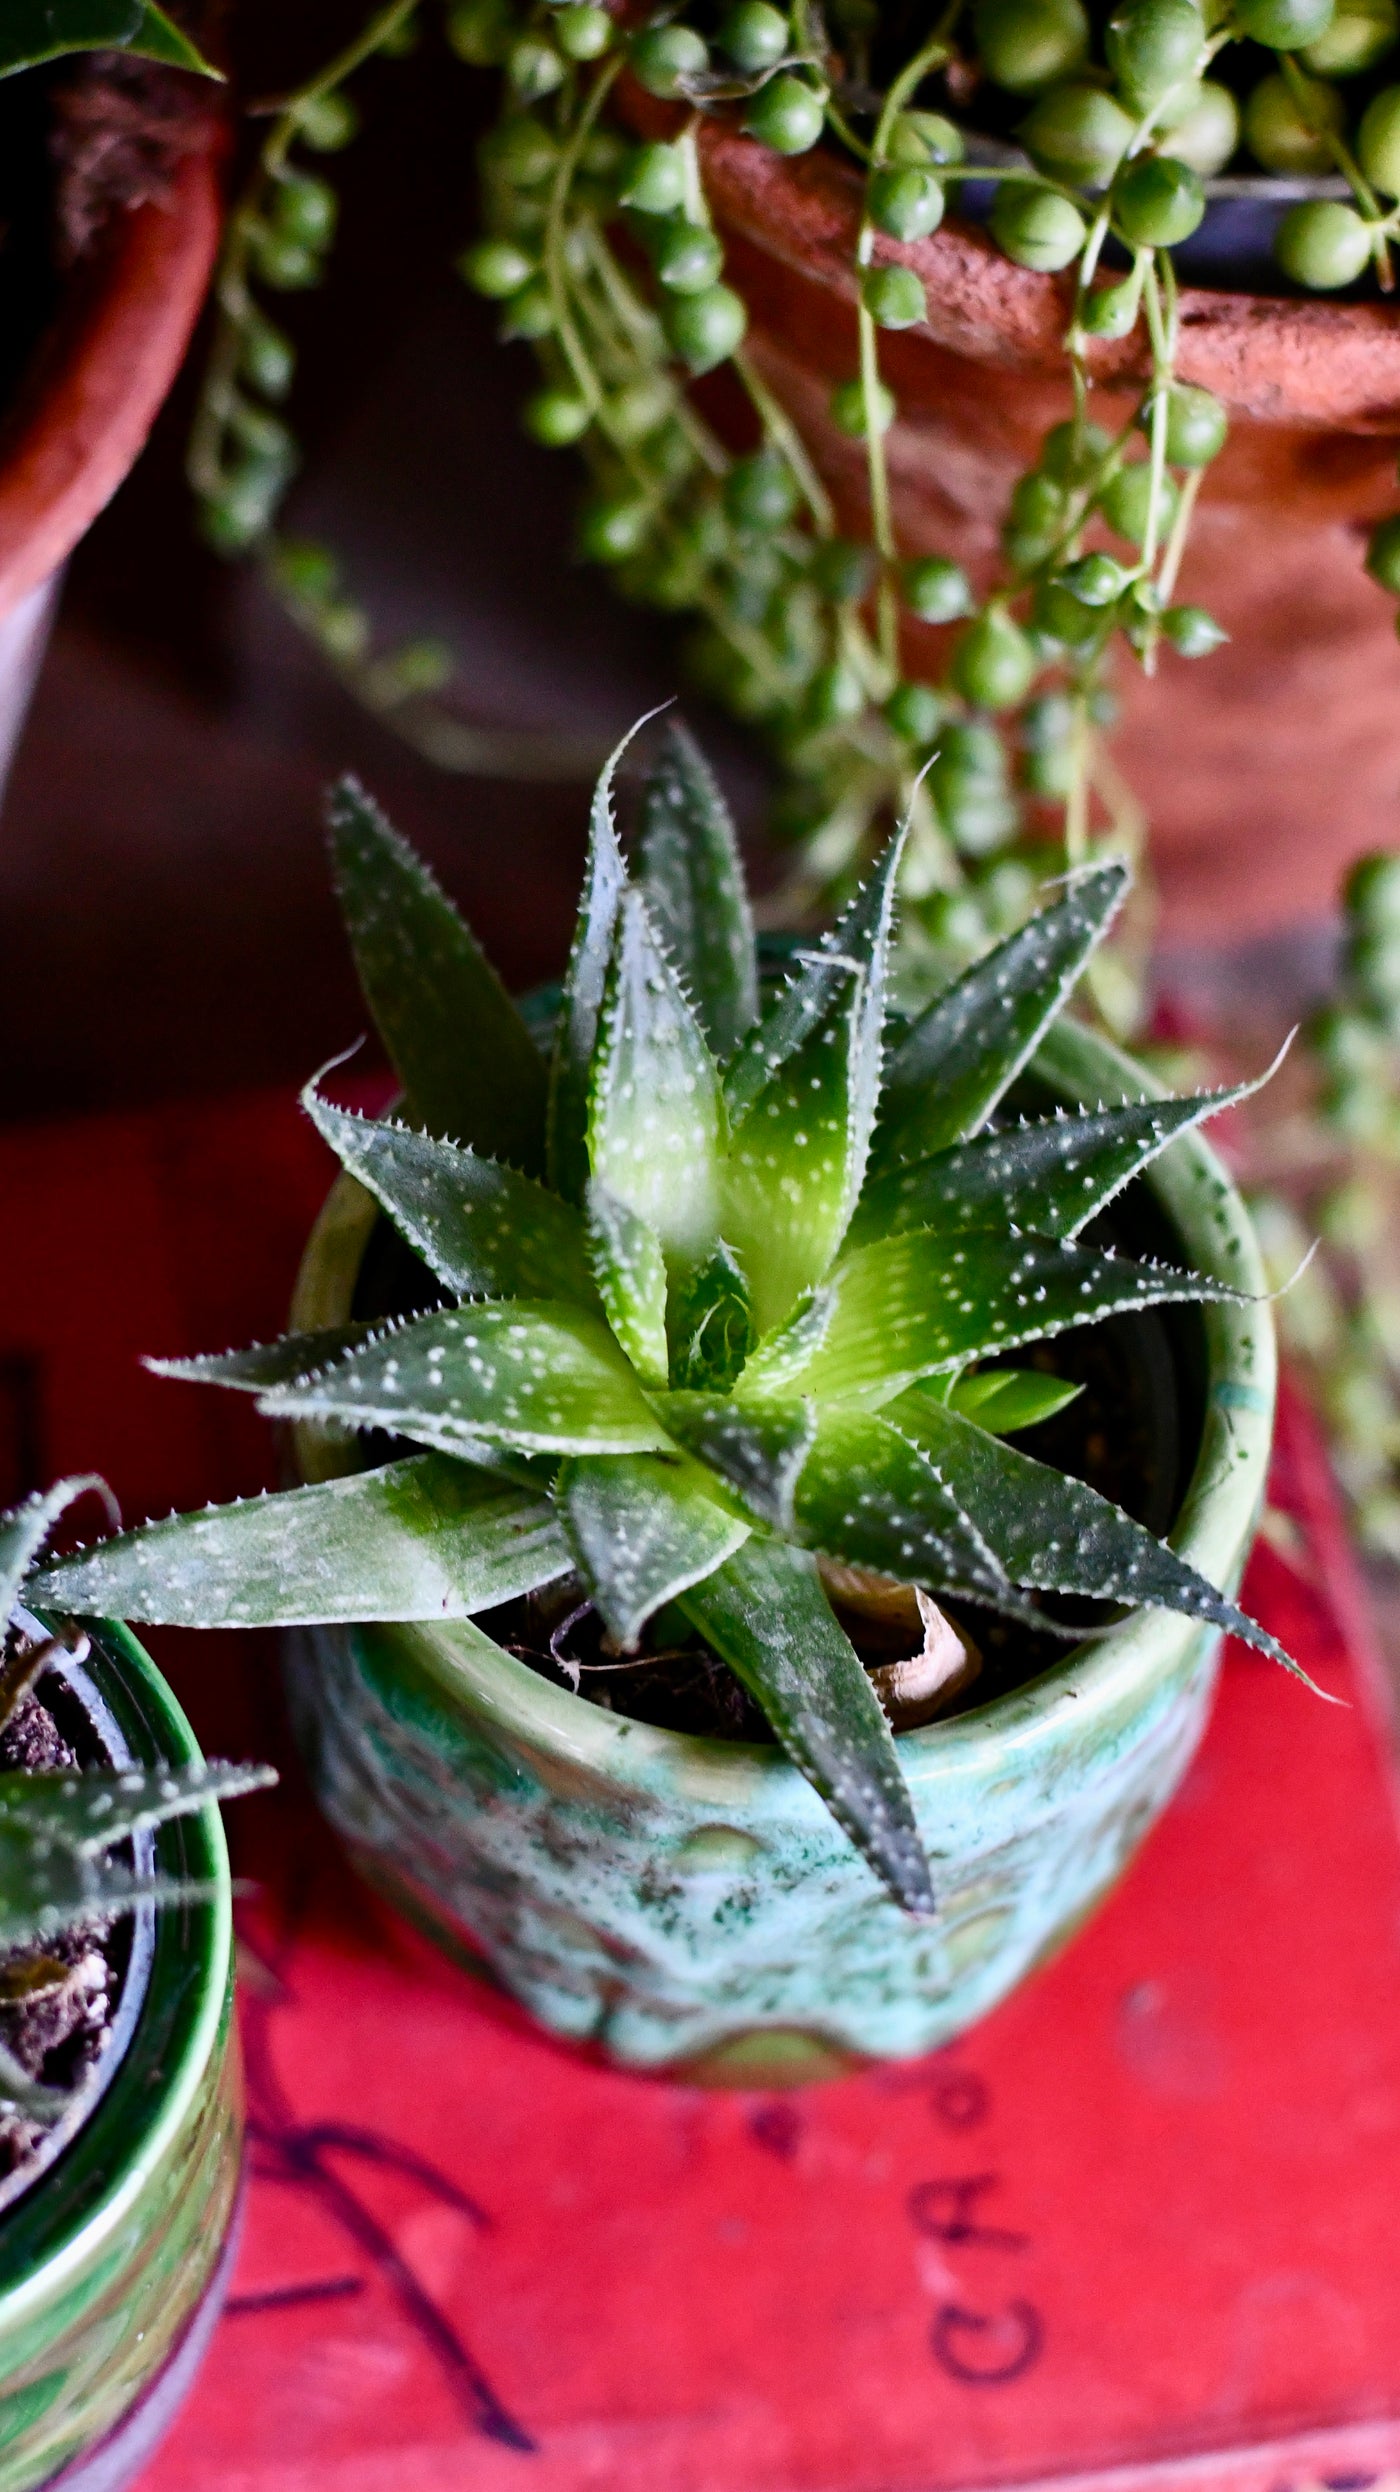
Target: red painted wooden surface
(1145, 2218)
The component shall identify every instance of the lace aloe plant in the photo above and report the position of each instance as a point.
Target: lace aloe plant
(58, 1830)
(723, 1278)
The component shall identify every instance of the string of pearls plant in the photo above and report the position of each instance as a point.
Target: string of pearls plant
(603, 254)
(1091, 143)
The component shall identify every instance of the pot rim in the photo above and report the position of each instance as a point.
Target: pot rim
(82, 2202)
(1281, 360)
(1212, 1531)
(102, 371)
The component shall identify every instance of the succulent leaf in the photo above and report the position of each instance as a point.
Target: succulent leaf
(797, 1161)
(425, 1538)
(581, 1003)
(264, 1364)
(24, 1530)
(86, 1813)
(913, 1305)
(871, 1498)
(1052, 1176)
(543, 1376)
(780, 1363)
(468, 1064)
(643, 1529)
(23, 2097)
(1056, 1534)
(859, 940)
(765, 1613)
(631, 1274)
(786, 1180)
(482, 1229)
(655, 1118)
(711, 1324)
(1004, 1400)
(45, 1892)
(964, 1051)
(689, 872)
(759, 1449)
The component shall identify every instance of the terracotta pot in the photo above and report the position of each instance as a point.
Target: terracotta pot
(1264, 768)
(96, 385)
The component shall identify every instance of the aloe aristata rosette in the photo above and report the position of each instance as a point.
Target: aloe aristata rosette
(725, 1277)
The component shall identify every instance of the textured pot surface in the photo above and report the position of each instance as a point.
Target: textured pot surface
(1269, 765)
(106, 2264)
(690, 1903)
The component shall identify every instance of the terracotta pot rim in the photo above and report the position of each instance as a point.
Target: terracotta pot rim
(104, 368)
(1299, 361)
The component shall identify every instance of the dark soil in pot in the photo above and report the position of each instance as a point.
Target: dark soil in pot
(1132, 1434)
(66, 2004)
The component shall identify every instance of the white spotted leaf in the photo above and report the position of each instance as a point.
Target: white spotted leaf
(964, 1051)
(421, 1539)
(689, 872)
(545, 1377)
(642, 1529)
(765, 1613)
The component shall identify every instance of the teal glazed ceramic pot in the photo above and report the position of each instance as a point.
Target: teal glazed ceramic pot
(689, 1904)
(113, 2260)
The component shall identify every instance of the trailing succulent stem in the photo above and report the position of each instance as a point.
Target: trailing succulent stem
(1089, 141)
(59, 1830)
(734, 1282)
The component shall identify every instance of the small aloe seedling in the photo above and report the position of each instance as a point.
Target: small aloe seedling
(724, 1278)
(58, 1830)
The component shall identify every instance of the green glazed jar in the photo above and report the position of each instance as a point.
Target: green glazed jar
(114, 2258)
(689, 1905)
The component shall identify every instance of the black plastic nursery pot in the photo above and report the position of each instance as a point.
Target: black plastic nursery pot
(115, 2240)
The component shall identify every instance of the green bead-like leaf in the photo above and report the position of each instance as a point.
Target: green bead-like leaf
(689, 872)
(468, 1064)
(1055, 1534)
(541, 1376)
(711, 1324)
(871, 1498)
(483, 1229)
(1052, 1176)
(24, 1530)
(654, 1113)
(759, 1450)
(581, 1003)
(765, 1613)
(797, 1160)
(426, 1538)
(643, 1530)
(965, 1050)
(86, 1813)
(914, 1305)
(631, 1275)
(1004, 1400)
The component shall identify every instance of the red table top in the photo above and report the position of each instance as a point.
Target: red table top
(1143, 2220)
